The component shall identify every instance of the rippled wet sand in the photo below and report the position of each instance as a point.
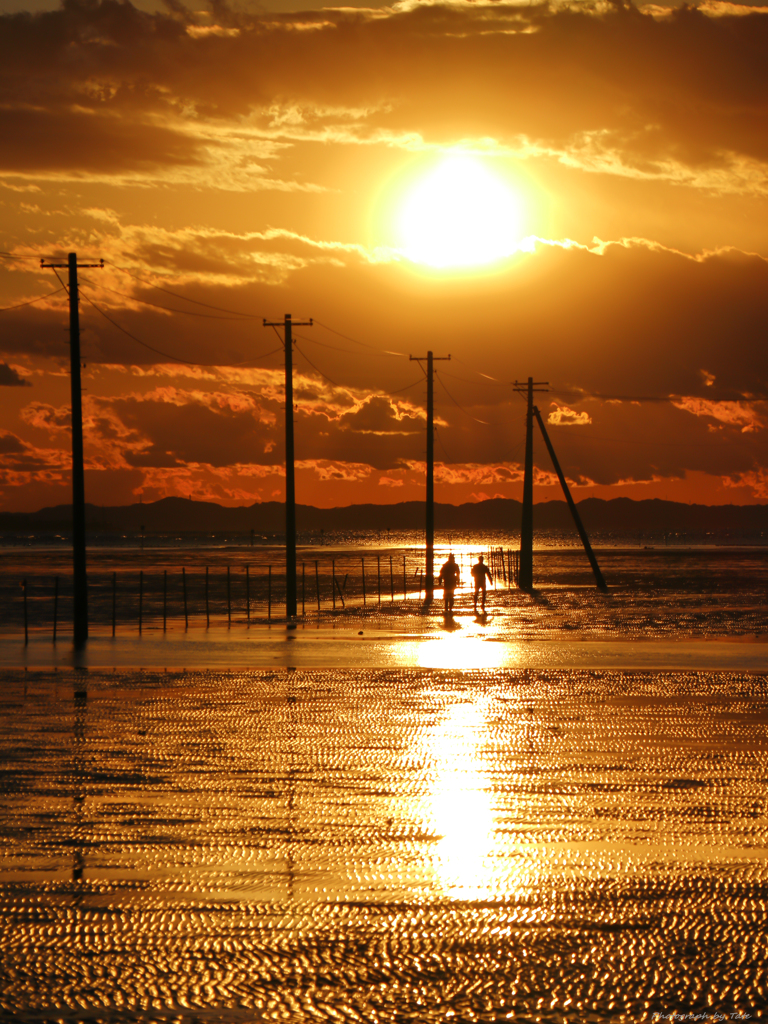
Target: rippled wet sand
(383, 846)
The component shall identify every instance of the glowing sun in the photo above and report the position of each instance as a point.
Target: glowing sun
(459, 215)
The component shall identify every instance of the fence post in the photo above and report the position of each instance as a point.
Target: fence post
(165, 599)
(333, 582)
(405, 582)
(248, 594)
(26, 625)
(207, 608)
(114, 602)
(378, 574)
(141, 596)
(229, 601)
(363, 562)
(317, 584)
(55, 605)
(303, 589)
(391, 581)
(184, 584)
(269, 595)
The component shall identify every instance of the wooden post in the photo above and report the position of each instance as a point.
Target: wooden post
(363, 566)
(338, 587)
(317, 584)
(141, 596)
(26, 624)
(378, 574)
(391, 581)
(248, 594)
(184, 585)
(229, 601)
(207, 608)
(55, 605)
(303, 589)
(333, 582)
(165, 598)
(269, 595)
(405, 582)
(114, 602)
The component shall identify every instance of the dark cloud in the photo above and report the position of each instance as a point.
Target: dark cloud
(10, 378)
(83, 82)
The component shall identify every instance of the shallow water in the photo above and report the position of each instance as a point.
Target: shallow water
(383, 845)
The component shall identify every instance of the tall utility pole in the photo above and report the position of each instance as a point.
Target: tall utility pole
(429, 588)
(525, 576)
(78, 474)
(290, 479)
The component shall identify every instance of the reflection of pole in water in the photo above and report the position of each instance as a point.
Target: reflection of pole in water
(290, 821)
(79, 776)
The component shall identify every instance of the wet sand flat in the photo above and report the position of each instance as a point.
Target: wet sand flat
(383, 845)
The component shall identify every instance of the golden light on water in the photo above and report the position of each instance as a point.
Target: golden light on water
(460, 214)
(461, 807)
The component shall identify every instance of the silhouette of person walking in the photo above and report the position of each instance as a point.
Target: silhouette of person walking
(480, 572)
(449, 579)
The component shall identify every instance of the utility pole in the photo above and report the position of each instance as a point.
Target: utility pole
(290, 480)
(525, 573)
(429, 589)
(78, 473)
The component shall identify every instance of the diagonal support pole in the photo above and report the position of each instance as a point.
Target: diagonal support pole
(571, 504)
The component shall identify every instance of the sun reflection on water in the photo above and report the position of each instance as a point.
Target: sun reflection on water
(461, 811)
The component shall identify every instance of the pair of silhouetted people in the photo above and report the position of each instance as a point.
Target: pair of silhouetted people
(449, 579)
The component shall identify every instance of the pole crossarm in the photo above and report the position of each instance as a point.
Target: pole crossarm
(429, 573)
(66, 266)
(290, 475)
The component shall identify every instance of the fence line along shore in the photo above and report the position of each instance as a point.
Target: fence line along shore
(134, 600)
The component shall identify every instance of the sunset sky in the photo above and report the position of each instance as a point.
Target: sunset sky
(576, 192)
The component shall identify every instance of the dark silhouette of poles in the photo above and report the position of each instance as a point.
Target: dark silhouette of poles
(26, 621)
(405, 582)
(303, 589)
(207, 606)
(378, 574)
(247, 595)
(317, 584)
(333, 582)
(184, 587)
(391, 581)
(269, 594)
(141, 596)
(165, 599)
(571, 504)
(362, 562)
(229, 601)
(525, 577)
(55, 606)
(430, 499)
(114, 602)
(290, 481)
(80, 577)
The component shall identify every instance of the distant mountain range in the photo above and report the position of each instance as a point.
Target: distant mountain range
(618, 515)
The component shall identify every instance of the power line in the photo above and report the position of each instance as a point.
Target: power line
(170, 309)
(461, 407)
(185, 298)
(167, 355)
(324, 375)
(356, 341)
(5, 309)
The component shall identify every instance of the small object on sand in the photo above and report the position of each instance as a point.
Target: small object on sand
(360, 632)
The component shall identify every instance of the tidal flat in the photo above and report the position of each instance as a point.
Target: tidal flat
(383, 845)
